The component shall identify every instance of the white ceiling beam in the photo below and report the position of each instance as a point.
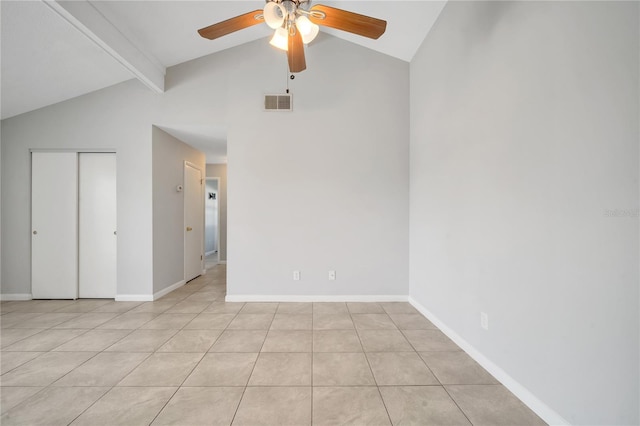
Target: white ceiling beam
(90, 22)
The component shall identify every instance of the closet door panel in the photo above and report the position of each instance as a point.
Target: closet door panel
(54, 225)
(97, 225)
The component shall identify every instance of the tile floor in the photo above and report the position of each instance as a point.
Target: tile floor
(192, 359)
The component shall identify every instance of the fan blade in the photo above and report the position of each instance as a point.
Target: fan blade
(232, 25)
(348, 21)
(295, 53)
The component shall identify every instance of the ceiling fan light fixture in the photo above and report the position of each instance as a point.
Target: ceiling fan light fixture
(308, 30)
(310, 34)
(280, 39)
(274, 14)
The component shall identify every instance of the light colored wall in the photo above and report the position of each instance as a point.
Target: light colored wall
(169, 155)
(112, 119)
(220, 171)
(324, 187)
(524, 133)
(211, 216)
(337, 199)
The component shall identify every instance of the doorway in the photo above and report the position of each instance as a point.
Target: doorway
(212, 222)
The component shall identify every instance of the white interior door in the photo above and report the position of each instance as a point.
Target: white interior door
(193, 222)
(54, 225)
(97, 225)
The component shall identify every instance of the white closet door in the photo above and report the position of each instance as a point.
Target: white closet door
(54, 225)
(97, 225)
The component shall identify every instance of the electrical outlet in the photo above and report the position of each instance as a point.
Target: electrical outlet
(332, 275)
(296, 275)
(484, 320)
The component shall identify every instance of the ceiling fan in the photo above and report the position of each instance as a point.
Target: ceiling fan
(296, 24)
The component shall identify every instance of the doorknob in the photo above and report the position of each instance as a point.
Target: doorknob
(35, 232)
(189, 228)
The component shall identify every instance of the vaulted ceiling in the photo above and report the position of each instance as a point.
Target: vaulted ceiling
(56, 50)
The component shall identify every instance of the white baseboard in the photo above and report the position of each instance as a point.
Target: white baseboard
(15, 296)
(316, 298)
(134, 298)
(158, 294)
(529, 399)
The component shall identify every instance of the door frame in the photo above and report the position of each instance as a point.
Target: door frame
(184, 218)
(205, 219)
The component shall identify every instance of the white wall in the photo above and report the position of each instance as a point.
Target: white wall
(220, 171)
(524, 133)
(330, 192)
(324, 187)
(211, 217)
(169, 155)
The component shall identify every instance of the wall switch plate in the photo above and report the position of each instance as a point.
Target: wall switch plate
(484, 320)
(332, 275)
(296, 275)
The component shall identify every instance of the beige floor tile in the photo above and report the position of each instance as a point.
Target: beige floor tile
(492, 405)
(45, 341)
(421, 405)
(330, 308)
(251, 322)
(224, 308)
(400, 368)
(457, 368)
(282, 369)
(47, 320)
(341, 369)
(191, 341)
(11, 360)
(169, 322)
(188, 307)
(84, 305)
(365, 308)
(336, 341)
(412, 322)
(384, 341)
(126, 406)
(332, 322)
(45, 369)
(16, 319)
(239, 341)
(10, 396)
(44, 305)
(206, 321)
(119, 307)
(348, 406)
(274, 406)
(259, 308)
(295, 308)
(288, 341)
(162, 369)
(88, 320)
(142, 341)
(93, 341)
(52, 406)
(129, 321)
(9, 336)
(155, 306)
(223, 369)
(373, 322)
(291, 322)
(430, 340)
(204, 296)
(398, 308)
(104, 369)
(201, 406)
